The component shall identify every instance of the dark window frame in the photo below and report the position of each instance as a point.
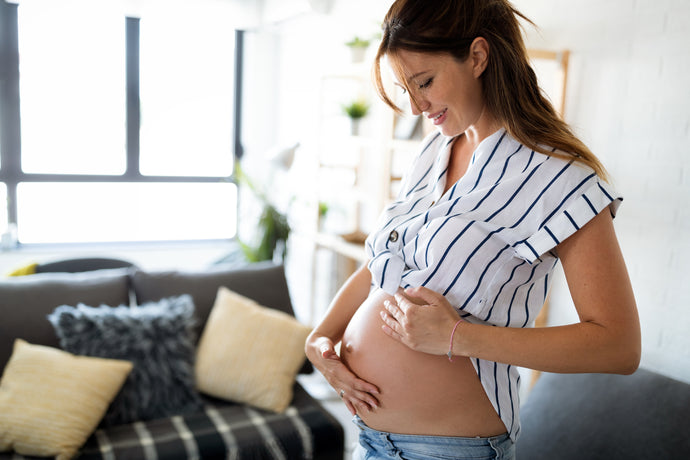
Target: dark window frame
(11, 173)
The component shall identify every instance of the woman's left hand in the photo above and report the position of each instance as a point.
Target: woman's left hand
(421, 319)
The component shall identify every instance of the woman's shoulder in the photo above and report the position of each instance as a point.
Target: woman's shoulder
(545, 158)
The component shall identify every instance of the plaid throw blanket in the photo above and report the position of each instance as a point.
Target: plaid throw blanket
(225, 431)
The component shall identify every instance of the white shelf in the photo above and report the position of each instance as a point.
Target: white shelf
(338, 244)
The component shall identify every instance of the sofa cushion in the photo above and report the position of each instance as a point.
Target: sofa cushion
(601, 416)
(157, 337)
(27, 300)
(262, 282)
(51, 401)
(249, 353)
(226, 430)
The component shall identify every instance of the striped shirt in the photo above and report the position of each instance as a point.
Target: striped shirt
(487, 243)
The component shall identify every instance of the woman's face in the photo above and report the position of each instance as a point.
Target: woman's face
(446, 91)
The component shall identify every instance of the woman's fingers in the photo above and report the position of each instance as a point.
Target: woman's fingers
(328, 351)
(424, 295)
(357, 394)
(358, 400)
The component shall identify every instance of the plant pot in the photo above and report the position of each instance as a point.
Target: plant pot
(358, 53)
(354, 126)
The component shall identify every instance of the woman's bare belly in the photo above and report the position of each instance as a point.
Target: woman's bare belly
(420, 393)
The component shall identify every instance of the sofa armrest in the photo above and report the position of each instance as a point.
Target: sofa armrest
(602, 416)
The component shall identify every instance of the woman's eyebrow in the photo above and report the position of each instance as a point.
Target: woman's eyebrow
(417, 75)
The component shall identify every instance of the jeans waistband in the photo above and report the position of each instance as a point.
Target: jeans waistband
(407, 446)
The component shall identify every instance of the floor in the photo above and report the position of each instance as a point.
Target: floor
(317, 386)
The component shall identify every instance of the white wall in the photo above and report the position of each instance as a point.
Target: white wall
(628, 99)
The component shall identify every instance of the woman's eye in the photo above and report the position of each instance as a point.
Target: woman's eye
(426, 84)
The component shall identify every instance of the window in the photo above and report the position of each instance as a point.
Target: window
(186, 96)
(127, 124)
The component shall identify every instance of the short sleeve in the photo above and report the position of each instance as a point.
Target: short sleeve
(570, 219)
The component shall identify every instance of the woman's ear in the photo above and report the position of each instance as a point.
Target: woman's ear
(479, 53)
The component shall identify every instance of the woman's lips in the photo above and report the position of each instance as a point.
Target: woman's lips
(439, 118)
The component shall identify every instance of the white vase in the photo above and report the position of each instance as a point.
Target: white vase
(358, 53)
(354, 126)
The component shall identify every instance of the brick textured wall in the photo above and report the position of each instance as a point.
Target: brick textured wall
(628, 97)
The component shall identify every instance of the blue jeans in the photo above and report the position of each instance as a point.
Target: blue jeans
(374, 445)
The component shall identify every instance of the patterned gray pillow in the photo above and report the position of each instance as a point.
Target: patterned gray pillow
(157, 337)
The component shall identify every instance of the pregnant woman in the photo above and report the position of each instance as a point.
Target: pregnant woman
(433, 327)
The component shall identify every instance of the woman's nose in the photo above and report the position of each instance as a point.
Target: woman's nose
(418, 106)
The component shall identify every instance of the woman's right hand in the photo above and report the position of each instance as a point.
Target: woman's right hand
(357, 394)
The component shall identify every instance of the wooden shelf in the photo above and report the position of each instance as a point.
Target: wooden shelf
(337, 244)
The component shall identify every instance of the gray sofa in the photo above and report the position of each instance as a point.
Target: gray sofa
(644, 416)
(306, 430)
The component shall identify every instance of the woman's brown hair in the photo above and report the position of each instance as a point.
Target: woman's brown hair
(509, 83)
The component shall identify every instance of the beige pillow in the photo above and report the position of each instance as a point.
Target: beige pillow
(249, 353)
(51, 400)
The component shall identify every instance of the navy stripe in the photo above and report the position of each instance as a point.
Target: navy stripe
(426, 252)
(591, 206)
(452, 191)
(510, 396)
(603, 190)
(512, 300)
(402, 239)
(510, 278)
(536, 254)
(426, 147)
(531, 157)
(491, 190)
(414, 189)
(572, 221)
(510, 305)
(544, 190)
(553, 237)
(498, 181)
(498, 402)
(383, 272)
(452, 207)
(487, 161)
(481, 277)
(512, 197)
(414, 254)
(403, 214)
(565, 199)
(438, 179)
(438, 265)
(518, 382)
(467, 261)
(529, 292)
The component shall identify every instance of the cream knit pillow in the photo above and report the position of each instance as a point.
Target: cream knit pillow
(248, 353)
(51, 400)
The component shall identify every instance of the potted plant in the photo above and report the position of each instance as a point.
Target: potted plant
(273, 228)
(358, 48)
(356, 110)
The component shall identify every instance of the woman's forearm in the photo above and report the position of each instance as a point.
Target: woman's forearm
(581, 347)
(607, 338)
(344, 305)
